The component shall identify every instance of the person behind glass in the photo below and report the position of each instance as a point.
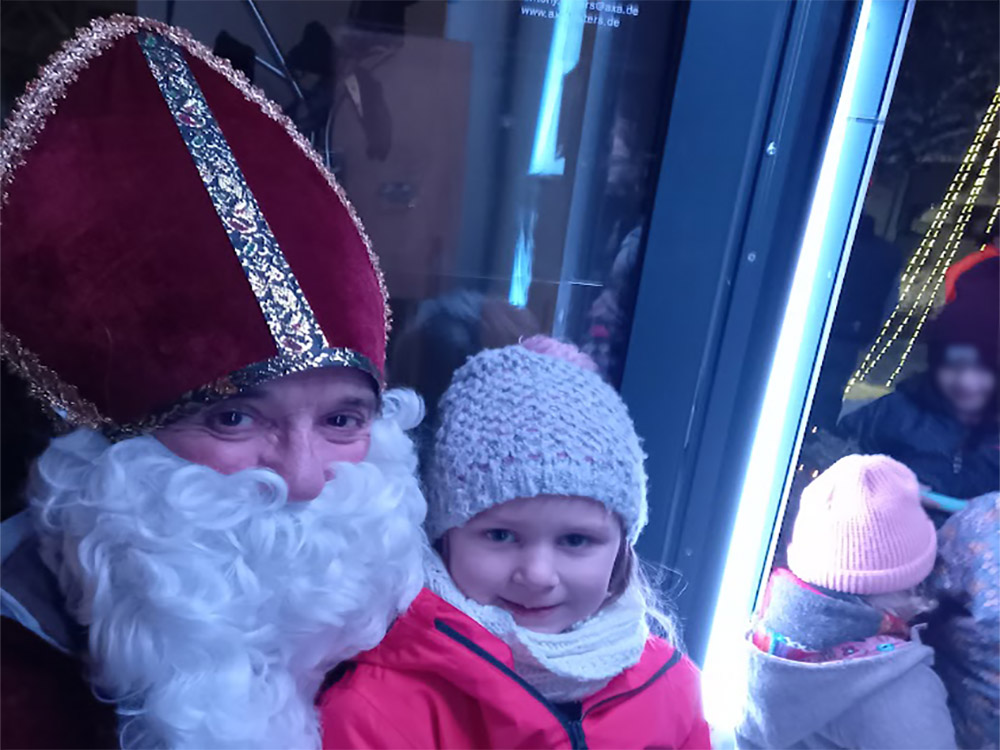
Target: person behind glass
(965, 628)
(534, 626)
(832, 660)
(443, 334)
(943, 423)
(871, 278)
(620, 230)
(234, 508)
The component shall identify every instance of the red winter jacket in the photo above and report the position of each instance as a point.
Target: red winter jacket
(440, 680)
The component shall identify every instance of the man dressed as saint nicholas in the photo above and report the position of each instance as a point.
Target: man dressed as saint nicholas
(232, 508)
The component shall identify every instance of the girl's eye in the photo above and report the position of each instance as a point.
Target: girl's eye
(499, 535)
(230, 419)
(343, 421)
(576, 540)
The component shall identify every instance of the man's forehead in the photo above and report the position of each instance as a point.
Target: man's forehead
(341, 383)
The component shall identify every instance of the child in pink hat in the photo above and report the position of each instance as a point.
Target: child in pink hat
(833, 660)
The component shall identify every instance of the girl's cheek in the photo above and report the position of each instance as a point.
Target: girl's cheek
(477, 572)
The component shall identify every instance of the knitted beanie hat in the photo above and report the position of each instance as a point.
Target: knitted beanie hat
(527, 420)
(970, 320)
(861, 529)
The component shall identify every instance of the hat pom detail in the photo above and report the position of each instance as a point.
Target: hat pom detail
(560, 350)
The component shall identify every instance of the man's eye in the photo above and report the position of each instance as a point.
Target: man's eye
(576, 540)
(230, 419)
(343, 421)
(499, 535)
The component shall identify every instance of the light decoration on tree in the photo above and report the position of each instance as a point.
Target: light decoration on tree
(918, 291)
(991, 223)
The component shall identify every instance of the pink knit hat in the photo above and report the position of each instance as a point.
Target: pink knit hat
(861, 529)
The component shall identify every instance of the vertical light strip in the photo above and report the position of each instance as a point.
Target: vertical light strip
(564, 54)
(524, 253)
(725, 687)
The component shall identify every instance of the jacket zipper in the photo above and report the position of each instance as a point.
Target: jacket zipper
(574, 729)
(576, 736)
(672, 661)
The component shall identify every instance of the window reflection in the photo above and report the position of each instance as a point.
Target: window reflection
(500, 154)
(911, 365)
(930, 214)
(911, 361)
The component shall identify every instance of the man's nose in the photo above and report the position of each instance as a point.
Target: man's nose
(296, 458)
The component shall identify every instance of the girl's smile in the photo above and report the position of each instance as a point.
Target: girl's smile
(547, 560)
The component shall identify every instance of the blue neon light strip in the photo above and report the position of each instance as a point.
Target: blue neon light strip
(847, 162)
(564, 54)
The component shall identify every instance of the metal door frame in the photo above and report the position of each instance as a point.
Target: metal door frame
(755, 97)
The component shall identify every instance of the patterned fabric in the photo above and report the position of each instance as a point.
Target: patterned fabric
(778, 645)
(517, 423)
(803, 623)
(966, 634)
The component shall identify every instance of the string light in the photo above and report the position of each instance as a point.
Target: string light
(920, 305)
(918, 261)
(919, 258)
(946, 258)
(991, 223)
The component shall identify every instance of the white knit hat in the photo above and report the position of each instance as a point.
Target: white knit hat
(527, 420)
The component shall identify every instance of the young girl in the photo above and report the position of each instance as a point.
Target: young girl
(534, 628)
(833, 660)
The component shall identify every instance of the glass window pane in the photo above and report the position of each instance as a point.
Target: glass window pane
(929, 219)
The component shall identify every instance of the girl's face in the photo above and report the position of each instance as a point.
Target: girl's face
(969, 387)
(547, 560)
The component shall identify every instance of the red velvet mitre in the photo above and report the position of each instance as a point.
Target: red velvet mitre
(168, 236)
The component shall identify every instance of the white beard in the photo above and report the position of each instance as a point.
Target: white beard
(214, 606)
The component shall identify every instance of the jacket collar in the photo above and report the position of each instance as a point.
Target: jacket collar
(30, 595)
(433, 636)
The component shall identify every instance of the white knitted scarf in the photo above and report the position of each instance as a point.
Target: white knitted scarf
(567, 666)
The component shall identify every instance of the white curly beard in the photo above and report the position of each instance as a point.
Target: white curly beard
(214, 606)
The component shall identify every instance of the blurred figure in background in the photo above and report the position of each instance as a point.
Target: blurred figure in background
(871, 276)
(620, 228)
(610, 315)
(445, 332)
(965, 630)
(833, 662)
(942, 423)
